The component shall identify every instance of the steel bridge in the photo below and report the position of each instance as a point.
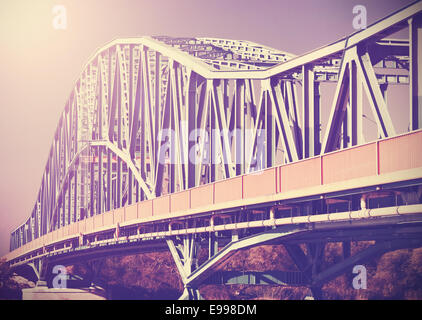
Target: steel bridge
(181, 143)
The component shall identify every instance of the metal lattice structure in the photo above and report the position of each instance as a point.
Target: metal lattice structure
(153, 116)
(109, 147)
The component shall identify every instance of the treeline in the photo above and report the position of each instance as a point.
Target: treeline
(394, 275)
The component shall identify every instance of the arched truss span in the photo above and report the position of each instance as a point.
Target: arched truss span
(155, 115)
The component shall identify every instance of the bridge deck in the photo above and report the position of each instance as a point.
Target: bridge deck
(377, 163)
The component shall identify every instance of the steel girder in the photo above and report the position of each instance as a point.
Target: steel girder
(184, 250)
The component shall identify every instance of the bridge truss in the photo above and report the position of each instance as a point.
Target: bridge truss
(154, 116)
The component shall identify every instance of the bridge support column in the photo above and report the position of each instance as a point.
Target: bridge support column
(311, 262)
(185, 254)
(43, 270)
(316, 254)
(308, 263)
(185, 250)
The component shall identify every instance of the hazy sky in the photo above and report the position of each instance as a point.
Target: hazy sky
(39, 65)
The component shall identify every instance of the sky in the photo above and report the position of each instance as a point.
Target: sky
(40, 64)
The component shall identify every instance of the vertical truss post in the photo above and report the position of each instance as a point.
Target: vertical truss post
(118, 198)
(311, 113)
(355, 102)
(75, 192)
(285, 115)
(212, 141)
(240, 127)
(69, 197)
(162, 141)
(130, 187)
(270, 143)
(346, 127)
(100, 180)
(191, 117)
(172, 136)
(157, 95)
(64, 207)
(221, 132)
(58, 210)
(415, 52)
(108, 193)
(292, 115)
(92, 185)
